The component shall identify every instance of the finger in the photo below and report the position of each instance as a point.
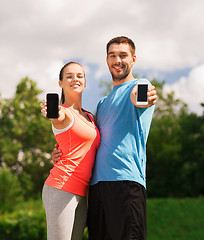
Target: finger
(56, 153)
(43, 105)
(152, 87)
(44, 112)
(151, 93)
(152, 99)
(56, 145)
(56, 159)
(154, 102)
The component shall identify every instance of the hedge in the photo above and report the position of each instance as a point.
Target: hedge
(24, 224)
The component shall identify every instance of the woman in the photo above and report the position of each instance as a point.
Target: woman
(64, 192)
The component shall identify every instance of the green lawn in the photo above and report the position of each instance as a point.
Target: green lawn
(175, 219)
(167, 219)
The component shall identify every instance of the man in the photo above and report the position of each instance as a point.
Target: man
(117, 198)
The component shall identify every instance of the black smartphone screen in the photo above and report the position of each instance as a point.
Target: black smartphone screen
(142, 92)
(52, 105)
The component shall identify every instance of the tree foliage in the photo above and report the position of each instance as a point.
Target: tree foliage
(174, 149)
(10, 189)
(26, 140)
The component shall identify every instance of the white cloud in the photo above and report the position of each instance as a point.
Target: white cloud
(37, 36)
(190, 89)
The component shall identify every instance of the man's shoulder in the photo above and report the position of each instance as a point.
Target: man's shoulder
(100, 103)
(145, 80)
(102, 100)
(136, 80)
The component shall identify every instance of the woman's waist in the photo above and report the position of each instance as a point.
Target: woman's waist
(78, 166)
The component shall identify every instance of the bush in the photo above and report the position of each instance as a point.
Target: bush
(27, 221)
(178, 219)
(23, 225)
(10, 189)
(86, 235)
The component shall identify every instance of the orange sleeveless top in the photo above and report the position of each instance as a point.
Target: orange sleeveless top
(78, 143)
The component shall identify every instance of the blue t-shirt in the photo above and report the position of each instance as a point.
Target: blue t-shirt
(124, 130)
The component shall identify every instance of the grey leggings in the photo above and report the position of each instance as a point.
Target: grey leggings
(66, 214)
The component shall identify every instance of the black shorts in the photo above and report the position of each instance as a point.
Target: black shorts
(117, 211)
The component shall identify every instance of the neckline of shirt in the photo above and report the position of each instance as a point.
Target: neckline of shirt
(90, 124)
(123, 84)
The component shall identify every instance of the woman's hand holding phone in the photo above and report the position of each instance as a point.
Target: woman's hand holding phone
(51, 109)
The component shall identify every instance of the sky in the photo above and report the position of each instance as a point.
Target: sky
(37, 37)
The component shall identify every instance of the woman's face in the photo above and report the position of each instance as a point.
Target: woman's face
(73, 79)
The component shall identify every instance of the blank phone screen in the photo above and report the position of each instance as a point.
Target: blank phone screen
(52, 105)
(142, 92)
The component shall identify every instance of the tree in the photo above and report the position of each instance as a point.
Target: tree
(192, 141)
(164, 146)
(10, 189)
(174, 149)
(108, 86)
(26, 139)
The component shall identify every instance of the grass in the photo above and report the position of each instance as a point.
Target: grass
(167, 219)
(175, 219)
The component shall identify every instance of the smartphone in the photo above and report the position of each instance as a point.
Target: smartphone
(52, 105)
(142, 89)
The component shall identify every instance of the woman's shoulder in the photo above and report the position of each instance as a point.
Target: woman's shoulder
(91, 114)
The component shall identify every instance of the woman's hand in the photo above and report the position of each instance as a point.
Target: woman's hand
(54, 120)
(44, 108)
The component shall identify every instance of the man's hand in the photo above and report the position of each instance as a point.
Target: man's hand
(151, 96)
(56, 154)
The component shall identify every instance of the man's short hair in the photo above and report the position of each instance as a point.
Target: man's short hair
(124, 40)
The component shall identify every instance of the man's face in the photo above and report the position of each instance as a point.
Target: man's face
(120, 61)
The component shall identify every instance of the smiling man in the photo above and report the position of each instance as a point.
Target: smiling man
(120, 60)
(117, 198)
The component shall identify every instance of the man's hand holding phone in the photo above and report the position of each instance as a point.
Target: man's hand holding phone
(143, 95)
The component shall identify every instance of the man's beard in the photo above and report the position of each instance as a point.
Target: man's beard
(118, 78)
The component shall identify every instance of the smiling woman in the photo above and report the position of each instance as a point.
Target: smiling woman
(65, 190)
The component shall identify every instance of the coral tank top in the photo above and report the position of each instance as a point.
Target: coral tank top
(78, 143)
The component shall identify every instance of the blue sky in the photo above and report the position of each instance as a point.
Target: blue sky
(38, 36)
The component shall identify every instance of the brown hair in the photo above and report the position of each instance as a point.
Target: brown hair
(61, 77)
(124, 40)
